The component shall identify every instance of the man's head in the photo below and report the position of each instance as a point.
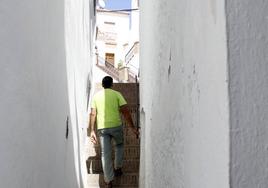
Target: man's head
(107, 82)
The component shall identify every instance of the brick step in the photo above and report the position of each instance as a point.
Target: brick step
(129, 166)
(130, 152)
(126, 180)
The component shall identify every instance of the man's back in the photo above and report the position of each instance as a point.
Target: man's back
(107, 103)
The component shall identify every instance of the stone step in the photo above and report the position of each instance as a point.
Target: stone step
(130, 152)
(126, 180)
(129, 166)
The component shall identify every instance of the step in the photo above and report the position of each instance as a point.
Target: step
(129, 166)
(126, 180)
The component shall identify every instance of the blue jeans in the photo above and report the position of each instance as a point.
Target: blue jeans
(106, 136)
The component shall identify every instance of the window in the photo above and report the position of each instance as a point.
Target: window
(109, 23)
(109, 59)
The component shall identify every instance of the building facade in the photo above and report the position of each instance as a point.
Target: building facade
(117, 44)
(112, 36)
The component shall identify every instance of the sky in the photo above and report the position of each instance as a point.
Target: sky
(117, 4)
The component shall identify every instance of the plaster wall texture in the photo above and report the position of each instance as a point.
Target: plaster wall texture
(184, 94)
(34, 103)
(79, 39)
(134, 23)
(248, 46)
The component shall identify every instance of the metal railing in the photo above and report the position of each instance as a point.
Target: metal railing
(108, 68)
(131, 53)
(114, 72)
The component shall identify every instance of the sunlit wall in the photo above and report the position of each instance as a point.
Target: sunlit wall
(44, 54)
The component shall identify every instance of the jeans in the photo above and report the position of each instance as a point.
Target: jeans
(106, 136)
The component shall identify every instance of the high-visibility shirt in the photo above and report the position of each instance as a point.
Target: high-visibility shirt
(107, 103)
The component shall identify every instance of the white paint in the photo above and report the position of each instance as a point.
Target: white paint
(79, 38)
(134, 24)
(133, 56)
(248, 65)
(184, 94)
(34, 88)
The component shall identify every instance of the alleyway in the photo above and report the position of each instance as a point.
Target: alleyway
(203, 95)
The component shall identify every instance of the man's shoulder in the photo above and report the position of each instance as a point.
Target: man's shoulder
(97, 94)
(117, 92)
(114, 91)
(108, 91)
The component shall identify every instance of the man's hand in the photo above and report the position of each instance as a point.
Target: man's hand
(124, 110)
(93, 137)
(91, 126)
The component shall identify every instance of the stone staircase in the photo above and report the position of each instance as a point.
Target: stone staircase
(112, 71)
(130, 177)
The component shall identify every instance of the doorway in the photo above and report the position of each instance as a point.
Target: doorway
(109, 59)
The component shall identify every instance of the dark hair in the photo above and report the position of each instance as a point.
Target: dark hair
(107, 82)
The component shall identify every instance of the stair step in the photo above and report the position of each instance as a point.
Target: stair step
(126, 180)
(129, 166)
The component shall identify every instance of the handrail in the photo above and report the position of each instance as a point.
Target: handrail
(111, 70)
(131, 50)
(108, 68)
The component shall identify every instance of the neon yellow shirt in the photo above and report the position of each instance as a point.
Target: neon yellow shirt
(107, 103)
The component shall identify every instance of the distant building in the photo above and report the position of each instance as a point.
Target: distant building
(117, 40)
(112, 36)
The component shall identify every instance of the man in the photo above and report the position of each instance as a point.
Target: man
(106, 106)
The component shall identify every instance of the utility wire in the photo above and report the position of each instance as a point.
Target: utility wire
(120, 10)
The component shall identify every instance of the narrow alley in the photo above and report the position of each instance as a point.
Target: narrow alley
(202, 72)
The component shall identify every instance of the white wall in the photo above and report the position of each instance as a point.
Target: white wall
(248, 65)
(79, 38)
(184, 94)
(34, 92)
(134, 30)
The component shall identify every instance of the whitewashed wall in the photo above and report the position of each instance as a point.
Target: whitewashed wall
(36, 39)
(248, 65)
(79, 37)
(184, 94)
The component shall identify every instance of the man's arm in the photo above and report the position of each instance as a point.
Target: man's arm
(124, 110)
(91, 126)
